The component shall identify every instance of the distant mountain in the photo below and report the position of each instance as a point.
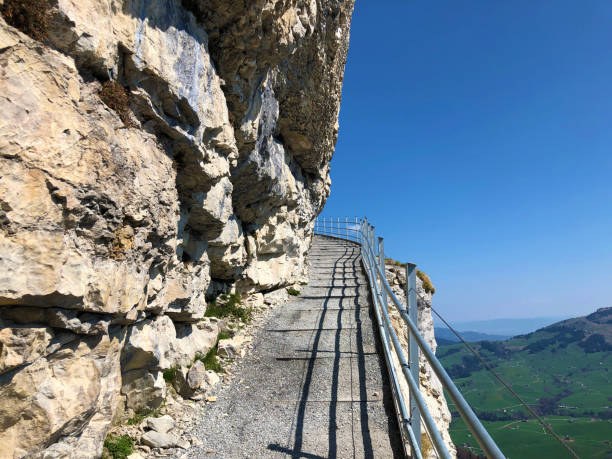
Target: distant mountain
(444, 342)
(506, 327)
(445, 336)
(563, 371)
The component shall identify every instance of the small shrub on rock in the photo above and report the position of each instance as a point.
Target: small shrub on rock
(391, 261)
(427, 285)
(116, 97)
(142, 415)
(210, 360)
(293, 292)
(29, 16)
(223, 335)
(170, 374)
(229, 306)
(118, 446)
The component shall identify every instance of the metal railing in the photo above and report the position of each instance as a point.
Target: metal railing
(409, 415)
(342, 228)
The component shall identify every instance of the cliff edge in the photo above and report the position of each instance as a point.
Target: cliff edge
(430, 385)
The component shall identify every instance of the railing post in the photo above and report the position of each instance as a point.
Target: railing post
(381, 263)
(346, 228)
(413, 348)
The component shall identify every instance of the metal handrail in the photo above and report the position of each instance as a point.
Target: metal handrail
(362, 232)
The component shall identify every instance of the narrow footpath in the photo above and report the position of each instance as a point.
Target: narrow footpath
(314, 385)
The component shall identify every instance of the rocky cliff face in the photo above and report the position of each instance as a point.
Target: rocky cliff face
(118, 225)
(431, 388)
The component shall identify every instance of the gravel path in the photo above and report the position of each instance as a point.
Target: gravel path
(313, 386)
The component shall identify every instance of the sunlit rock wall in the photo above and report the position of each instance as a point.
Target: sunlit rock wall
(113, 234)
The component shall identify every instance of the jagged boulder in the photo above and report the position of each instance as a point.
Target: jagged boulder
(73, 390)
(160, 343)
(143, 389)
(159, 440)
(232, 348)
(161, 424)
(196, 375)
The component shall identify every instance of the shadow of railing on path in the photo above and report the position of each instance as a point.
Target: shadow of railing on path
(345, 264)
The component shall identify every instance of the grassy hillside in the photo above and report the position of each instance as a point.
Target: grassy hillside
(563, 371)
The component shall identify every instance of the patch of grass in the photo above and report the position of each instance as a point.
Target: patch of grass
(426, 446)
(391, 261)
(303, 283)
(229, 306)
(293, 292)
(116, 97)
(137, 419)
(118, 446)
(170, 374)
(210, 360)
(223, 335)
(29, 16)
(427, 285)
(142, 415)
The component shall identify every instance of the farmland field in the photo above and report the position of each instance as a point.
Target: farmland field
(527, 439)
(563, 372)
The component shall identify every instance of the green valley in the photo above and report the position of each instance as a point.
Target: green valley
(562, 371)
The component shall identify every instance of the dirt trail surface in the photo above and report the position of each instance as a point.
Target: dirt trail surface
(313, 386)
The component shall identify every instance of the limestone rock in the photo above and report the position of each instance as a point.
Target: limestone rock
(184, 296)
(196, 375)
(161, 344)
(82, 323)
(255, 300)
(161, 424)
(150, 345)
(20, 345)
(193, 339)
(73, 391)
(143, 389)
(113, 235)
(276, 297)
(181, 384)
(211, 378)
(232, 348)
(159, 440)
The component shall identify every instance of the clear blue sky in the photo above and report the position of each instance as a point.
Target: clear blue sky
(477, 137)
